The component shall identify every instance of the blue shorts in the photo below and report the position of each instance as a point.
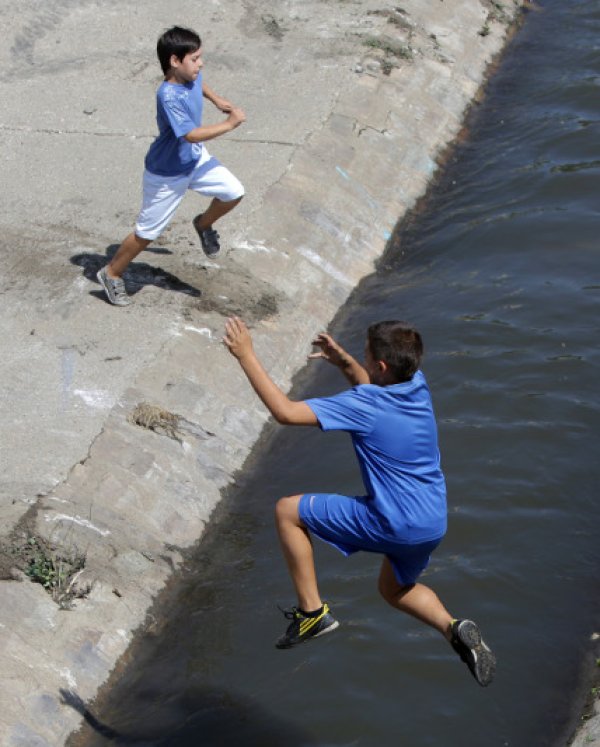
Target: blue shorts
(350, 525)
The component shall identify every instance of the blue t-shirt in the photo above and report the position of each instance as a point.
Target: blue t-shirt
(178, 111)
(394, 435)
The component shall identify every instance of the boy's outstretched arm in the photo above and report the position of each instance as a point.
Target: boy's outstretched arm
(237, 338)
(234, 119)
(337, 356)
(219, 101)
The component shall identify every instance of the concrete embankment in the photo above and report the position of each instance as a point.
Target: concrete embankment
(349, 105)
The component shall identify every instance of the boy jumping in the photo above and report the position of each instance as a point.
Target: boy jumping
(389, 415)
(178, 160)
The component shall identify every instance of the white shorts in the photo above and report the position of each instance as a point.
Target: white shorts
(162, 194)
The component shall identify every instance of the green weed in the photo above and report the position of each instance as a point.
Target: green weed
(55, 570)
(389, 47)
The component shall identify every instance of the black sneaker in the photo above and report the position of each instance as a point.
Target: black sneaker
(303, 628)
(209, 239)
(469, 645)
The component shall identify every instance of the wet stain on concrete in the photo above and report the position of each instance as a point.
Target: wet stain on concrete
(229, 291)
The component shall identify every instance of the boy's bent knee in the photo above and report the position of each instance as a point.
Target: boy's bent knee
(386, 590)
(286, 509)
(388, 585)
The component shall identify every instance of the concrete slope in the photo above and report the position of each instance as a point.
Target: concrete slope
(348, 104)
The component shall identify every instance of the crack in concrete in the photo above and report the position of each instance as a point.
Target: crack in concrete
(364, 128)
(132, 135)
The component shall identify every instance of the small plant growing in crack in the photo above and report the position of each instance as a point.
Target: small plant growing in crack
(156, 419)
(56, 570)
(165, 423)
(389, 47)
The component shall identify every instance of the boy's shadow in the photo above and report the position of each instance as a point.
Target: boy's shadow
(144, 274)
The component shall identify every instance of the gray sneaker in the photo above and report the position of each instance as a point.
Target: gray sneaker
(114, 289)
(469, 645)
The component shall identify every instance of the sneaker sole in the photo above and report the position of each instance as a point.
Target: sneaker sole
(328, 629)
(485, 661)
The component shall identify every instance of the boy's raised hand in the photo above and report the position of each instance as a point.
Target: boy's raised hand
(237, 337)
(337, 356)
(236, 117)
(330, 350)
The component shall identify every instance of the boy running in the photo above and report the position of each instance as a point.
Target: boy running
(178, 160)
(389, 415)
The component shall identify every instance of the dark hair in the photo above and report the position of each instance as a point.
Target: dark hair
(176, 41)
(399, 345)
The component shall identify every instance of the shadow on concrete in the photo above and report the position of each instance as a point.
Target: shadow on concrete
(70, 698)
(210, 717)
(138, 274)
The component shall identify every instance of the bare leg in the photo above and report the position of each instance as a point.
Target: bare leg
(128, 251)
(298, 552)
(217, 209)
(417, 600)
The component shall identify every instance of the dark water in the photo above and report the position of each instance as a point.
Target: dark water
(501, 273)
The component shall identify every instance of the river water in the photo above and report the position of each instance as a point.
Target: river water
(500, 271)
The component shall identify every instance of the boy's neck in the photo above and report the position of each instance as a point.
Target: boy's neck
(171, 78)
(174, 77)
(386, 379)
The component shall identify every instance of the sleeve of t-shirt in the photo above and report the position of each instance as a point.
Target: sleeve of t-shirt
(178, 114)
(352, 410)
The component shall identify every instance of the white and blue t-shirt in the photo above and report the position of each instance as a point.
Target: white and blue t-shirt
(178, 111)
(394, 435)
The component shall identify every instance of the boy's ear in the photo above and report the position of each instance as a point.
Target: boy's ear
(174, 61)
(385, 372)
